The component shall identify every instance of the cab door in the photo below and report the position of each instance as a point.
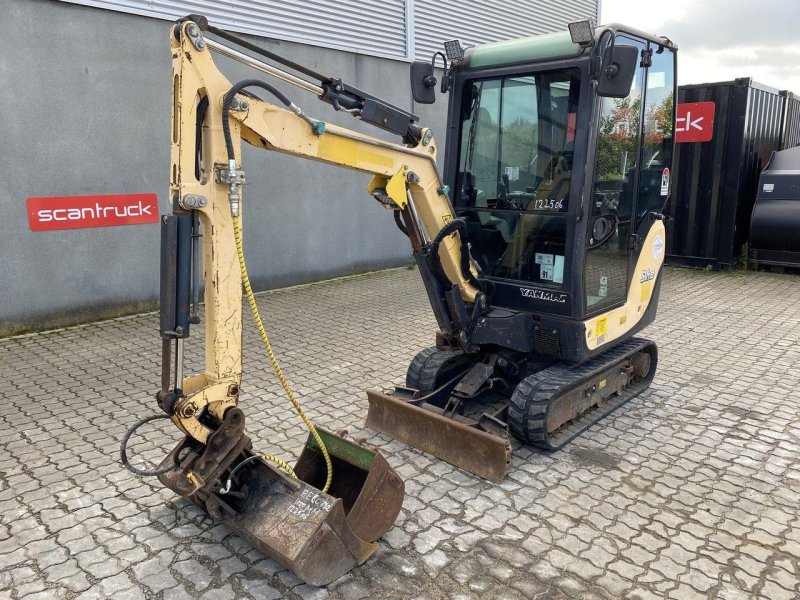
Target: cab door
(631, 186)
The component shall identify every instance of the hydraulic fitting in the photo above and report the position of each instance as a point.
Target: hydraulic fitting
(233, 188)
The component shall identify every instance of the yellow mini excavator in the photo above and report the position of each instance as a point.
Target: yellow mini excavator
(540, 250)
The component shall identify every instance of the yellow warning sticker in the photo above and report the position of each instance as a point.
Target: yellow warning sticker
(602, 325)
(647, 290)
(602, 383)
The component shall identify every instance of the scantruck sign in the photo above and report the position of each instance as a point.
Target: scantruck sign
(77, 212)
(694, 122)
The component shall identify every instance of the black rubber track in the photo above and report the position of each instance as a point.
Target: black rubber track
(531, 400)
(433, 367)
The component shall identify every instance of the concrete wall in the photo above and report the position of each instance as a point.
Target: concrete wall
(85, 109)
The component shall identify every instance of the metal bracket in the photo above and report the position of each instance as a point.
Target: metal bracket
(223, 175)
(193, 31)
(193, 201)
(491, 424)
(222, 448)
(185, 407)
(237, 104)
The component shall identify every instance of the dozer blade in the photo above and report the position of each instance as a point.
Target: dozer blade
(318, 536)
(455, 439)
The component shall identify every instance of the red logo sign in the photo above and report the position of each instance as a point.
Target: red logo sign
(77, 212)
(694, 122)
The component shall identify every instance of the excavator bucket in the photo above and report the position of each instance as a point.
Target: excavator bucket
(481, 446)
(318, 536)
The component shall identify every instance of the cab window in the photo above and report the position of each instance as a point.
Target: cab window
(515, 169)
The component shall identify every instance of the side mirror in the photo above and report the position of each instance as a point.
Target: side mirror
(617, 70)
(603, 228)
(423, 82)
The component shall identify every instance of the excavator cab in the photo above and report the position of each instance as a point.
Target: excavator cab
(558, 185)
(559, 166)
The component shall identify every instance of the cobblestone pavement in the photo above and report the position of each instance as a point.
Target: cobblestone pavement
(689, 491)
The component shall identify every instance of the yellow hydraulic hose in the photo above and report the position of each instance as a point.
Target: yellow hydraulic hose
(281, 463)
(237, 231)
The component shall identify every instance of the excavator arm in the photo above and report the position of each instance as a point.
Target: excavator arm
(205, 181)
(323, 516)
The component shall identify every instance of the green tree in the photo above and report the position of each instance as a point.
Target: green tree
(618, 140)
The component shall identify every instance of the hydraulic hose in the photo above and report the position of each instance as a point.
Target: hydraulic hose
(251, 299)
(237, 231)
(123, 449)
(282, 464)
(451, 227)
(399, 222)
(123, 455)
(226, 107)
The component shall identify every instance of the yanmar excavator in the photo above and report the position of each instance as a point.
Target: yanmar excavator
(540, 250)
(558, 159)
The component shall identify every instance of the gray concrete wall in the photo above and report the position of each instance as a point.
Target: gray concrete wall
(85, 109)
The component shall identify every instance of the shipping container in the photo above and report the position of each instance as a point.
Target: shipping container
(791, 121)
(725, 134)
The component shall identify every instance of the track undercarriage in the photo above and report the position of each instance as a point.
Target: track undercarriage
(464, 408)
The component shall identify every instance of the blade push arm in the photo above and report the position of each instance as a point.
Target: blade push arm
(205, 181)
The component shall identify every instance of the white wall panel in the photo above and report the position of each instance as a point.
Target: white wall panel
(478, 21)
(374, 27)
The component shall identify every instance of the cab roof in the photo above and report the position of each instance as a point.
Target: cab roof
(548, 46)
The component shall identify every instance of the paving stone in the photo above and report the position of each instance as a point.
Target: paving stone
(114, 585)
(194, 572)
(158, 581)
(774, 591)
(309, 592)
(178, 594)
(697, 497)
(221, 593)
(354, 590)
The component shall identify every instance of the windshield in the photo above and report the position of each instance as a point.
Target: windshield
(515, 162)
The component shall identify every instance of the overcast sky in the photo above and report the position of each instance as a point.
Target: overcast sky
(720, 40)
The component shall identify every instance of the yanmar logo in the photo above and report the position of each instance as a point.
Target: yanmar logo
(543, 295)
(77, 212)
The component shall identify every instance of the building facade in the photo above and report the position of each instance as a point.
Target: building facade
(85, 110)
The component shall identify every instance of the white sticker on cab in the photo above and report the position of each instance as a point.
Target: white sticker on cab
(558, 270)
(658, 246)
